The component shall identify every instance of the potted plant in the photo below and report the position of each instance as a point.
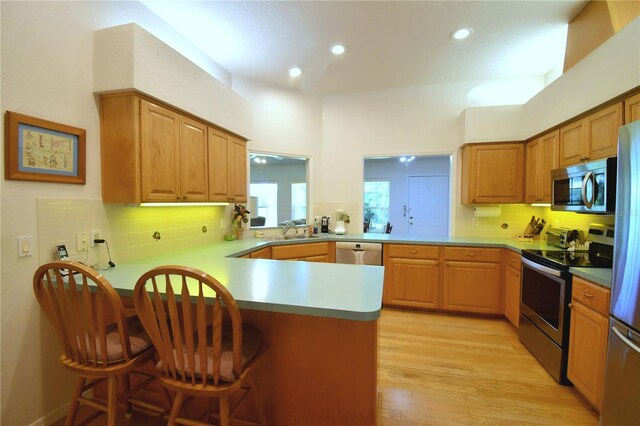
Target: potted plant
(240, 216)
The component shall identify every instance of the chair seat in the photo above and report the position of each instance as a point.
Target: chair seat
(251, 341)
(138, 340)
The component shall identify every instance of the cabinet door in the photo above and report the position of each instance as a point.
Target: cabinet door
(572, 144)
(193, 160)
(533, 177)
(587, 352)
(550, 150)
(632, 108)
(472, 287)
(264, 253)
(413, 282)
(496, 174)
(160, 151)
(512, 295)
(237, 163)
(218, 168)
(602, 132)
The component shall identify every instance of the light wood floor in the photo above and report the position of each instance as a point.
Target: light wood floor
(438, 369)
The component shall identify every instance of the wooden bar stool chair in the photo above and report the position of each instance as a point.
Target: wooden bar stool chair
(99, 342)
(181, 309)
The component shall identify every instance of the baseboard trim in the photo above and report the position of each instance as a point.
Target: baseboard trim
(52, 417)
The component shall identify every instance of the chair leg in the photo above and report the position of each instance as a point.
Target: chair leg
(112, 401)
(177, 402)
(128, 410)
(73, 407)
(256, 400)
(224, 410)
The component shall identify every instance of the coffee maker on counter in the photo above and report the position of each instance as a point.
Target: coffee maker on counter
(324, 224)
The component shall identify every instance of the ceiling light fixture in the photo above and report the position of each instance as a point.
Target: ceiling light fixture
(295, 72)
(461, 34)
(338, 49)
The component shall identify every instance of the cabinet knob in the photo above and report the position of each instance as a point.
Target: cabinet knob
(517, 274)
(570, 305)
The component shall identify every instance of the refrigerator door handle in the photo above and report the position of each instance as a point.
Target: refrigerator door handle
(625, 340)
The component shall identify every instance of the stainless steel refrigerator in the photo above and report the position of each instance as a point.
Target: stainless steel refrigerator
(621, 401)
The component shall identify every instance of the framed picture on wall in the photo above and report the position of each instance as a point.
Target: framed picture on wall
(44, 151)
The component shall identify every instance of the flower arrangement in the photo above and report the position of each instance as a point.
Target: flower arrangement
(240, 215)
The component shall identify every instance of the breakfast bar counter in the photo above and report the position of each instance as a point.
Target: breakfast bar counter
(319, 320)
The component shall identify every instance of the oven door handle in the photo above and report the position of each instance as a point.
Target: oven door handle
(541, 268)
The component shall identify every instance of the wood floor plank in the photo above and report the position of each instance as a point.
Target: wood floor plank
(440, 369)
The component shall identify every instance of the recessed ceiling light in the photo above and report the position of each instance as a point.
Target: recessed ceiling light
(295, 72)
(461, 34)
(338, 49)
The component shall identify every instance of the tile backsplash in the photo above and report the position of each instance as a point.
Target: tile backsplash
(127, 229)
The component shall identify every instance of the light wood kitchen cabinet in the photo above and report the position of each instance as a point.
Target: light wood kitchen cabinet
(472, 281)
(588, 339)
(512, 279)
(591, 138)
(309, 252)
(263, 253)
(228, 168)
(412, 276)
(493, 173)
(541, 157)
(632, 108)
(151, 152)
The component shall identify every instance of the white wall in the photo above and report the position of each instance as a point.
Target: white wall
(47, 72)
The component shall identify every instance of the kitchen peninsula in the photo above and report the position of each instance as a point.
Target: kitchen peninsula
(320, 321)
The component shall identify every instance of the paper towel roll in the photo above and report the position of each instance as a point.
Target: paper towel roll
(487, 211)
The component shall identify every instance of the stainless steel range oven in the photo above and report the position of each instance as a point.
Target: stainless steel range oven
(545, 297)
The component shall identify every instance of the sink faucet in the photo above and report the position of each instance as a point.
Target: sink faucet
(287, 225)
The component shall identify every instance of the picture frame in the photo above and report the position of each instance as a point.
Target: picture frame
(44, 151)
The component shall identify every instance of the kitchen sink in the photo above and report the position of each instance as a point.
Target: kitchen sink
(288, 237)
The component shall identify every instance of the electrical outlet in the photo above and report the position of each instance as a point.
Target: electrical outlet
(94, 235)
(474, 222)
(221, 223)
(82, 243)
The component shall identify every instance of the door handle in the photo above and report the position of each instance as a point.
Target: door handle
(625, 340)
(587, 178)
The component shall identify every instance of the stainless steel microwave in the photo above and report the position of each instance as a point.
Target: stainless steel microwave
(585, 188)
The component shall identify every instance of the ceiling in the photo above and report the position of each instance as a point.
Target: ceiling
(390, 43)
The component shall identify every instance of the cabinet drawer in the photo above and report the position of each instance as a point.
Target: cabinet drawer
(298, 251)
(591, 295)
(472, 253)
(511, 258)
(409, 251)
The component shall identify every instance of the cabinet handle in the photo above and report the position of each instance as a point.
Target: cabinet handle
(517, 274)
(436, 263)
(587, 295)
(413, 251)
(570, 305)
(471, 254)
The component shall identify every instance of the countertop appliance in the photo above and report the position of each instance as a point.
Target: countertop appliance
(359, 253)
(545, 297)
(585, 188)
(621, 400)
(561, 237)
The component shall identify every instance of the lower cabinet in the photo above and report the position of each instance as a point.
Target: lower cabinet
(472, 281)
(412, 276)
(263, 253)
(512, 279)
(308, 252)
(588, 339)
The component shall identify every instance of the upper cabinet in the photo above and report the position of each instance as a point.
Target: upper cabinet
(493, 173)
(541, 158)
(591, 138)
(228, 171)
(632, 108)
(152, 153)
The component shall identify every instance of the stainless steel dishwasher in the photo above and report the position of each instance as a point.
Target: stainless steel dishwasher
(359, 253)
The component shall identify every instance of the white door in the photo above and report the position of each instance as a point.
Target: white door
(428, 209)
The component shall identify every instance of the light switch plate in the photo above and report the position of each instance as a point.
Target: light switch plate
(24, 246)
